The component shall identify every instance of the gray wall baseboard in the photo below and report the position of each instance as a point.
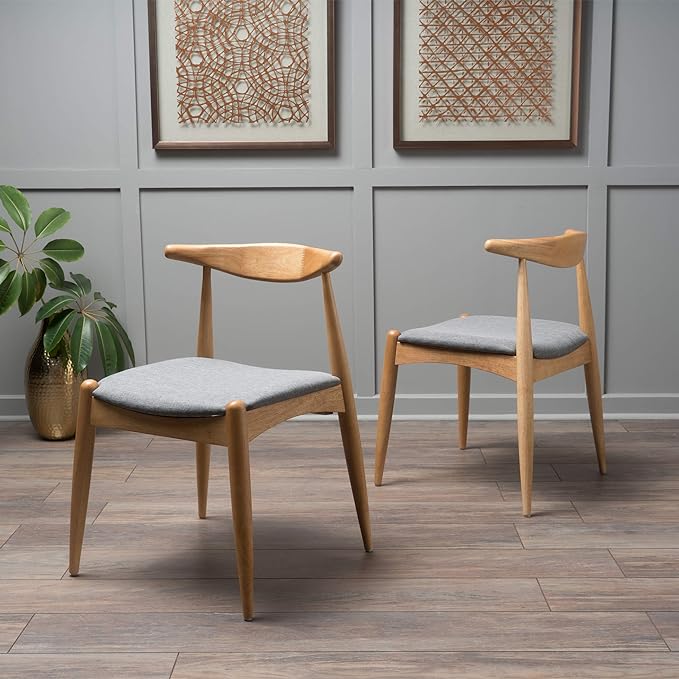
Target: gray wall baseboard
(482, 407)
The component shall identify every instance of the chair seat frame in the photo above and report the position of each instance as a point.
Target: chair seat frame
(498, 364)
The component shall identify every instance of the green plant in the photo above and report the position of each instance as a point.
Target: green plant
(87, 318)
(77, 318)
(24, 275)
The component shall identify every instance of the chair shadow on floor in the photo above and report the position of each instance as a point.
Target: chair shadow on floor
(196, 573)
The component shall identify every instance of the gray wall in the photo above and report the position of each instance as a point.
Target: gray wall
(75, 131)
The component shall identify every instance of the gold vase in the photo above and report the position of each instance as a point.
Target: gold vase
(52, 387)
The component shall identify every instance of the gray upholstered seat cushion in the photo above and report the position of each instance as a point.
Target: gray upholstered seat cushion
(202, 387)
(497, 335)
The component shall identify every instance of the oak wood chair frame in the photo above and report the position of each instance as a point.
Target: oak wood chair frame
(565, 251)
(264, 262)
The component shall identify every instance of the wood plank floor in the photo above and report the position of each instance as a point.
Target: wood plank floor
(459, 584)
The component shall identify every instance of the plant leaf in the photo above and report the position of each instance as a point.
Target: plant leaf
(57, 329)
(82, 282)
(71, 289)
(51, 220)
(81, 343)
(27, 294)
(16, 205)
(53, 306)
(2, 246)
(40, 283)
(5, 270)
(98, 297)
(64, 249)
(4, 226)
(121, 334)
(53, 270)
(120, 353)
(9, 291)
(107, 348)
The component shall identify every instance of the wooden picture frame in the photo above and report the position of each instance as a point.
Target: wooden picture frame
(455, 129)
(188, 113)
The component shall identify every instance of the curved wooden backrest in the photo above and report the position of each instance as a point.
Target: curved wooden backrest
(562, 251)
(275, 262)
(278, 263)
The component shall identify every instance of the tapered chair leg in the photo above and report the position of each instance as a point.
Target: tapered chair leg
(202, 476)
(241, 503)
(353, 454)
(83, 454)
(596, 409)
(524, 409)
(386, 407)
(463, 381)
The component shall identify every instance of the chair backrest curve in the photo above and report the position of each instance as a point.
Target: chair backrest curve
(564, 251)
(274, 262)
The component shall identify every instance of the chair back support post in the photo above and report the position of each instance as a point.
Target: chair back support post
(205, 345)
(337, 354)
(585, 315)
(524, 338)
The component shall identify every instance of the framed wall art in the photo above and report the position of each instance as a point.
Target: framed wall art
(486, 73)
(242, 74)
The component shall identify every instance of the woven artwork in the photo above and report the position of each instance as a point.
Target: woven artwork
(486, 61)
(242, 61)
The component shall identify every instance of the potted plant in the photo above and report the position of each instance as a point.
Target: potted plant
(72, 322)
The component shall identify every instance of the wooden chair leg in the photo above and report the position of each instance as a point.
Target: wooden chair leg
(241, 502)
(463, 381)
(596, 408)
(353, 454)
(386, 407)
(524, 409)
(83, 454)
(202, 476)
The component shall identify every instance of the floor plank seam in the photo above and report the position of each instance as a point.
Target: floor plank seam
(655, 627)
(174, 664)
(225, 652)
(577, 512)
(9, 537)
(518, 535)
(544, 596)
(262, 610)
(99, 513)
(9, 650)
(558, 476)
(617, 564)
(50, 493)
(499, 488)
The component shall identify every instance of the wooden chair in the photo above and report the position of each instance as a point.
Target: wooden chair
(228, 404)
(522, 350)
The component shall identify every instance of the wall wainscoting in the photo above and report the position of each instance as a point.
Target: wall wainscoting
(411, 224)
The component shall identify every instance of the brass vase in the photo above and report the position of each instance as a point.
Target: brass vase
(52, 387)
